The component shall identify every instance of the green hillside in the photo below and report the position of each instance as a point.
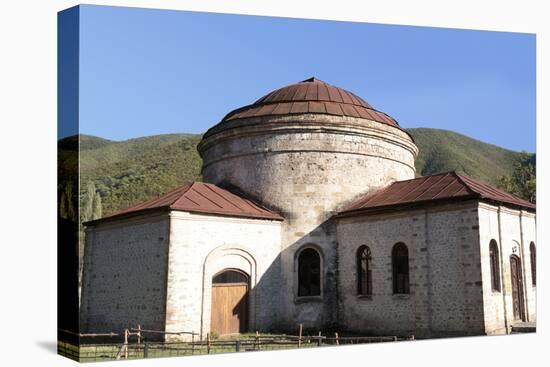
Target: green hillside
(444, 150)
(135, 170)
(130, 171)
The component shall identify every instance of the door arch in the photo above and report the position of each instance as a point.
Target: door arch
(518, 304)
(229, 312)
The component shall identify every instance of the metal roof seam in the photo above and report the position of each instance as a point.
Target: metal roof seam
(419, 188)
(430, 186)
(183, 196)
(405, 187)
(250, 204)
(212, 201)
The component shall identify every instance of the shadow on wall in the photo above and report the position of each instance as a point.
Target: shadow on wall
(275, 303)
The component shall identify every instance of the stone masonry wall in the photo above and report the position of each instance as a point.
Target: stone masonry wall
(445, 277)
(124, 280)
(203, 245)
(513, 230)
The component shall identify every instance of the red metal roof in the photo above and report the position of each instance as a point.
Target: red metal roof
(311, 96)
(427, 189)
(200, 197)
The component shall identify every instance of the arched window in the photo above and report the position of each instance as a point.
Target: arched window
(309, 273)
(495, 265)
(400, 267)
(533, 251)
(364, 271)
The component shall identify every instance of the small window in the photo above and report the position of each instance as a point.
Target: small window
(309, 273)
(364, 271)
(533, 251)
(400, 267)
(495, 266)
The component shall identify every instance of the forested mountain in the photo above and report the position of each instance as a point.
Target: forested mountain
(130, 171)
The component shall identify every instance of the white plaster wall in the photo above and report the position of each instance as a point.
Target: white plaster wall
(201, 246)
(445, 276)
(124, 279)
(513, 230)
(529, 231)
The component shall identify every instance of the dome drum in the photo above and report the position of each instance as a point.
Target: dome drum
(281, 159)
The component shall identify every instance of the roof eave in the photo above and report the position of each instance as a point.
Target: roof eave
(420, 204)
(168, 209)
(126, 215)
(401, 206)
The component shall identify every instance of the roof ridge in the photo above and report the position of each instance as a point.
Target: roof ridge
(209, 187)
(183, 195)
(465, 180)
(183, 188)
(208, 199)
(470, 189)
(451, 193)
(492, 189)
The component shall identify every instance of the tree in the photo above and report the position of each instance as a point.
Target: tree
(97, 209)
(87, 202)
(67, 201)
(523, 181)
(90, 204)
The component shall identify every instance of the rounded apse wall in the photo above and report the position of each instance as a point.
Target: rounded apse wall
(308, 164)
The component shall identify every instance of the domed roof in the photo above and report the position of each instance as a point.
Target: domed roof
(311, 96)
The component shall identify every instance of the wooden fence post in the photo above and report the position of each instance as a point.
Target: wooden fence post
(208, 343)
(126, 331)
(138, 336)
(145, 350)
(319, 342)
(257, 340)
(300, 336)
(336, 337)
(237, 345)
(192, 342)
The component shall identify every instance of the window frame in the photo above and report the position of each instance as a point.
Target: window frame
(298, 255)
(494, 264)
(363, 255)
(533, 258)
(399, 261)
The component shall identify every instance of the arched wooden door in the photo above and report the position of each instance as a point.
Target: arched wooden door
(229, 302)
(517, 288)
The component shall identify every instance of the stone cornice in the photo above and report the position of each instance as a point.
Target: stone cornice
(495, 207)
(188, 216)
(308, 123)
(225, 157)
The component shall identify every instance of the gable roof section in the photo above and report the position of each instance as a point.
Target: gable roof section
(200, 197)
(448, 186)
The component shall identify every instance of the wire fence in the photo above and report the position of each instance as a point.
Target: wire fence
(135, 344)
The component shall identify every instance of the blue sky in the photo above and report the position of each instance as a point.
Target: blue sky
(146, 72)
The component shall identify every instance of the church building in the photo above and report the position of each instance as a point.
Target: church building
(311, 212)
